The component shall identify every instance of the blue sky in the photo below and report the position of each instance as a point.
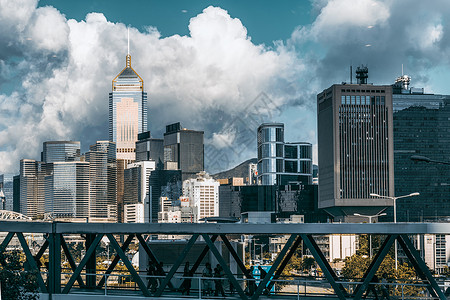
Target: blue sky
(222, 67)
(266, 21)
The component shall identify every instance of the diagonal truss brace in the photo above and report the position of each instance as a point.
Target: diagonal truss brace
(420, 266)
(324, 265)
(127, 263)
(115, 260)
(82, 263)
(31, 261)
(152, 257)
(278, 260)
(374, 265)
(224, 265)
(283, 264)
(176, 265)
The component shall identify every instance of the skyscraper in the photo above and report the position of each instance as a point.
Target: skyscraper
(148, 148)
(127, 111)
(355, 143)
(67, 189)
(127, 118)
(421, 127)
(6, 186)
(32, 187)
(281, 163)
(184, 150)
(103, 180)
(137, 188)
(60, 151)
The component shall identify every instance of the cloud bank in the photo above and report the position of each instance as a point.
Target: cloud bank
(55, 73)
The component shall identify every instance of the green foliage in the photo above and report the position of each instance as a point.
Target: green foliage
(16, 283)
(356, 266)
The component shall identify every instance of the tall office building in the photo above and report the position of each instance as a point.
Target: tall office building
(32, 187)
(183, 150)
(355, 143)
(421, 127)
(148, 148)
(203, 193)
(67, 189)
(127, 111)
(103, 180)
(137, 188)
(57, 151)
(281, 163)
(127, 118)
(6, 186)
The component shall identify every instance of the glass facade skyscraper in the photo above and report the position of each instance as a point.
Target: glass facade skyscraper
(57, 151)
(421, 127)
(281, 163)
(127, 111)
(67, 190)
(32, 187)
(103, 180)
(184, 149)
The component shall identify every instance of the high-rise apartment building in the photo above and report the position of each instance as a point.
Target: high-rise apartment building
(67, 189)
(355, 147)
(103, 180)
(60, 151)
(203, 193)
(281, 163)
(421, 127)
(183, 150)
(127, 111)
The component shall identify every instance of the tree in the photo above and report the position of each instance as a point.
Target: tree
(357, 264)
(16, 282)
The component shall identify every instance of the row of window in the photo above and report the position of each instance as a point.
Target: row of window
(362, 91)
(362, 100)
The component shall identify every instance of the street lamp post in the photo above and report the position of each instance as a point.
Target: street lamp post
(395, 214)
(370, 221)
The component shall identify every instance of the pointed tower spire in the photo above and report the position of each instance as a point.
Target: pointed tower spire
(128, 61)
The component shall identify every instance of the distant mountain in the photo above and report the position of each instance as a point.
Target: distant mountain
(239, 171)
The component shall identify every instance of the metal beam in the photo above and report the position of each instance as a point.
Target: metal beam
(153, 258)
(54, 278)
(116, 260)
(420, 266)
(213, 228)
(374, 265)
(263, 283)
(71, 261)
(129, 266)
(225, 268)
(176, 265)
(31, 262)
(83, 262)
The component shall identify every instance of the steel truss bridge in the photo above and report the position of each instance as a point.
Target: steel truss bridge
(55, 244)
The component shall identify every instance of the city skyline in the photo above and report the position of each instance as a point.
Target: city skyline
(58, 60)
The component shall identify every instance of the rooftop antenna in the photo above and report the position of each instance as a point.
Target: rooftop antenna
(351, 75)
(402, 70)
(128, 61)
